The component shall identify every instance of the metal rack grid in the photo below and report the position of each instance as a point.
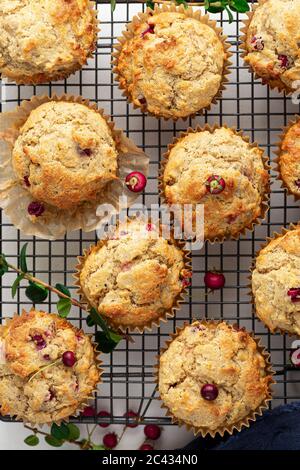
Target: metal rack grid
(128, 372)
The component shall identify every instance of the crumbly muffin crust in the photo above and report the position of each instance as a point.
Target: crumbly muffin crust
(30, 342)
(200, 155)
(173, 64)
(133, 280)
(219, 354)
(289, 159)
(273, 43)
(65, 154)
(276, 272)
(45, 40)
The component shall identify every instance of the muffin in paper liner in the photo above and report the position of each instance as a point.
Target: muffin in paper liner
(274, 84)
(54, 223)
(244, 422)
(85, 400)
(129, 33)
(185, 274)
(280, 151)
(62, 75)
(276, 236)
(266, 195)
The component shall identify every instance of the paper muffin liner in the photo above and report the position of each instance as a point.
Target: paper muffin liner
(244, 422)
(276, 235)
(190, 13)
(278, 153)
(54, 223)
(27, 80)
(266, 197)
(88, 398)
(178, 300)
(273, 83)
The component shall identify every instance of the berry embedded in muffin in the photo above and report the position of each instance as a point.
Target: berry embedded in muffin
(135, 278)
(44, 40)
(276, 283)
(65, 155)
(289, 159)
(273, 43)
(220, 170)
(170, 63)
(48, 368)
(213, 377)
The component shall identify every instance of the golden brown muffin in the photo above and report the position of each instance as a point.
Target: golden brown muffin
(171, 63)
(272, 43)
(276, 283)
(134, 278)
(221, 170)
(45, 40)
(213, 377)
(39, 382)
(65, 154)
(289, 159)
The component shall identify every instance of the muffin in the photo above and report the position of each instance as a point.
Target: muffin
(220, 169)
(48, 368)
(214, 377)
(135, 278)
(42, 41)
(272, 43)
(65, 154)
(171, 62)
(288, 161)
(276, 283)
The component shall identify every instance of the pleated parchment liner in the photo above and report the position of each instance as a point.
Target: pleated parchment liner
(190, 13)
(279, 151)
(54, 223)
(245, 422)
(61, 75)
(87, 399)
(274, 84)
(147, 326)
(211, 129)
(253, 264)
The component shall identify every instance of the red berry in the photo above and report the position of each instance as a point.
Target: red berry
(149, 30)
(257, 43)
(215, 184)
(146, 447)
(152, 431)
(26, 181)
(133, 416)
(88, 412)
(103, 414)
(214, 280)
(136, 181)
(36, 208)
(294, 293)
(285, 61)
(68, 358)
(85, 152)
(110, 440)
(209, 392)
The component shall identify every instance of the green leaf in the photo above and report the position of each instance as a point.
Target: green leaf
(32, 440)
(150, 4)
(240, 6)
(3, 265)
(98, 447)
(230, 15)
(52, 441)
(64, 307)
(105, 343)
(107, 339)
(23, 262)
(61, 432)
(63, 289)
(36, 292)
(113, 5)
(89, 321)
(16, 284)
(74, 432)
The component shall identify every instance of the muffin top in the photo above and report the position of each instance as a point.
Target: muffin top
(173, 64)
(65, 154)
(35, 384)
(273, 42)
(134, 278)
(45, 40)
(223, 357)
(222, 171)
(289, 159)
(276, 283)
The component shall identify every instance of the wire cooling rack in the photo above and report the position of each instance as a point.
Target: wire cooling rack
(128, 381)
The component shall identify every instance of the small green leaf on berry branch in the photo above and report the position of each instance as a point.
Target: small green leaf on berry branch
(32, 440)
(3, 265)
(23, 262)
(64, 307)
(61, 432)
(16, 284)
(52, 441)
(63, 289)
(36, 292)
